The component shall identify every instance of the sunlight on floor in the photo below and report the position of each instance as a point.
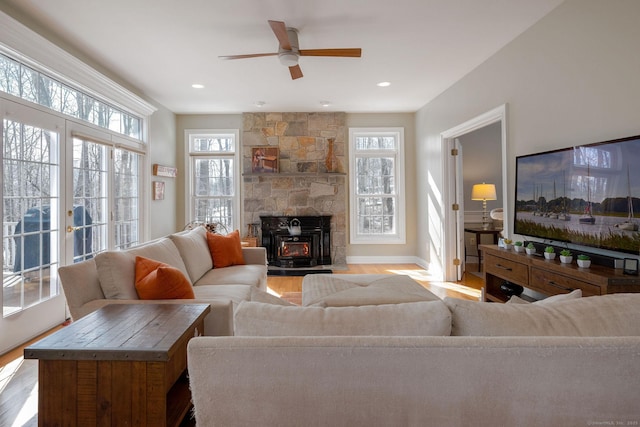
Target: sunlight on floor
(421, 275)
(8, 371)
(28, 411)
(456, 287)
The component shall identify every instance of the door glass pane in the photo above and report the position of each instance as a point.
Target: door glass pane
(30, 215)
(126, 198)
(89, 199)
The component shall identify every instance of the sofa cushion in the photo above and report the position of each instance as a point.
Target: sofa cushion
(250, 274)
(157, 280)
(343, 290)
(409, 319)
(608, 315)
(225, 250)
(234, 293)
(116, 269)
(194, 251)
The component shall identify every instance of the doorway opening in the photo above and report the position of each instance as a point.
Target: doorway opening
(454, 241)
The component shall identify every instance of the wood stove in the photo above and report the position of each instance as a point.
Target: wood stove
(306, 245)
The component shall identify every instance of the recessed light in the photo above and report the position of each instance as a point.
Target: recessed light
(260, 104)
(197, 86)
(325, 103)
(383, 84)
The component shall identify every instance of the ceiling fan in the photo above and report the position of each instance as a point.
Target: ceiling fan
(289, 51)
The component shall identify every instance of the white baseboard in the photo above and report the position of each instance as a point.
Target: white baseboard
(409, 259)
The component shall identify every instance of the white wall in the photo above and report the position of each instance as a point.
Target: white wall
(570, 79)
(162, 150)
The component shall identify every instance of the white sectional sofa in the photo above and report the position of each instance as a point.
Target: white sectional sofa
(109, 278)
(572, 362)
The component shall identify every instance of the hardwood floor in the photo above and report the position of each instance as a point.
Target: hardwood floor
(19, 377)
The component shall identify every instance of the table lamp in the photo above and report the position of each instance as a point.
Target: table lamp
(484, 192)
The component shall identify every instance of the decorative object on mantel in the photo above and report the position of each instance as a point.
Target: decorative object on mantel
(264, 159)
(331, 162)
(158, 190)
(168, 171)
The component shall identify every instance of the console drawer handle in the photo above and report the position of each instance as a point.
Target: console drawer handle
(504, 268)
(555, 285)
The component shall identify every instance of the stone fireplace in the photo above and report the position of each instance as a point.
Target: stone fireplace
(302, 185)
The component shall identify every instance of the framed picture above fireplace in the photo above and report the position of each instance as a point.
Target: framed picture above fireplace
(264, 159)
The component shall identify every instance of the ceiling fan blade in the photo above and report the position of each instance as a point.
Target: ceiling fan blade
(280, 30)
(350, 53)
(296, 72)
(250, 55)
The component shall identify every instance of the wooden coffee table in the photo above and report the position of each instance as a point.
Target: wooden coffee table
(121, 365)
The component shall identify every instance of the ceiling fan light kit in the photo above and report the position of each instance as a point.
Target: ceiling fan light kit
(288, 59)
(289, 51)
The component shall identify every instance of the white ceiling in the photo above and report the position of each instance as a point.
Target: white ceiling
(162, 47)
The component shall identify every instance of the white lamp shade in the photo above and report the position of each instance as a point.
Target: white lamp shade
(484, 192)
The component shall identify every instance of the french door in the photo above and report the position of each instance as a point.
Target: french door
(32, 223)
(69, 192)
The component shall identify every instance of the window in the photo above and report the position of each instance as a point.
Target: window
(19, 80)
(376, 161)
(214, 178)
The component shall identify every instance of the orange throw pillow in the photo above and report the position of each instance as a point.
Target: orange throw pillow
(157, 280)
(225, 250)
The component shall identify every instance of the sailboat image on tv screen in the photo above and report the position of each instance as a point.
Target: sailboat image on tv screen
(564, 215)
(587, 217)
(630, 224)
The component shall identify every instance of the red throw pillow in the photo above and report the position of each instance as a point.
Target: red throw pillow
(157, 280)
(225, 250)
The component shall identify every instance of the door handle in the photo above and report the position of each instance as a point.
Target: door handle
(71, 229)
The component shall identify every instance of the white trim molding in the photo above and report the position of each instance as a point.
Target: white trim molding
(498, 114)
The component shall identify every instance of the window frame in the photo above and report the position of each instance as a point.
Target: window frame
(399, 237)
(191, 156)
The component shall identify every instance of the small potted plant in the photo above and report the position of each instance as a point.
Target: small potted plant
(549, 252)
(508, 243)
(565, 256)
(531, 248)
(584, 261)
(518, 246)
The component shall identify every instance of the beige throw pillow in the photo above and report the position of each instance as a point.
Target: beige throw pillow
(576, 293)
(194, 251)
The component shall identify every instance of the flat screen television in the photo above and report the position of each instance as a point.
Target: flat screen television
(587, 195)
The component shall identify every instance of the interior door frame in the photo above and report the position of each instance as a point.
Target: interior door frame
(450, 244)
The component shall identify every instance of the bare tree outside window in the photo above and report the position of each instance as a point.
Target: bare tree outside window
(213, 175)
(31, 85)
(377, 199)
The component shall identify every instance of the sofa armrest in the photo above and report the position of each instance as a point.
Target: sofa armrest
(255, 255)
(80, 285)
